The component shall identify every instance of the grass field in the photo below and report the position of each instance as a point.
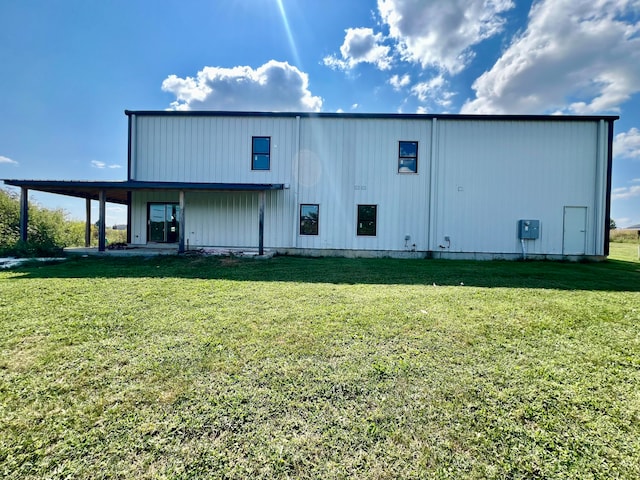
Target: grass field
(320, 368)
(621, 235)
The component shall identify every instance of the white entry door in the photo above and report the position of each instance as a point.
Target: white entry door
(575, 230)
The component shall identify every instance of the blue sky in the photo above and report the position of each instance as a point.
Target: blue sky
(69, 69)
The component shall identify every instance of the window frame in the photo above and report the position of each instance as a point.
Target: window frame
(317, 224)
(407, 157)
(255, 153)
(361, 231)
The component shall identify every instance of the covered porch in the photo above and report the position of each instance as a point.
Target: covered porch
(120, 193)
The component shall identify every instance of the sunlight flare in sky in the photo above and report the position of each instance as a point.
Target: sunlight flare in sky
(287, 29)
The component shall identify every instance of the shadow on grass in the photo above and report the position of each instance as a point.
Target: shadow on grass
(612, 275)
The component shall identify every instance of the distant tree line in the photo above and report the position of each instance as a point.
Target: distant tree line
(49, 231)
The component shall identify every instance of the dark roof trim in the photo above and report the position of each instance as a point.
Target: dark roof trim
(117, 192)
(412, 116)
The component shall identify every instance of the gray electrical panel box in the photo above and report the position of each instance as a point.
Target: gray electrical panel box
(528, 229)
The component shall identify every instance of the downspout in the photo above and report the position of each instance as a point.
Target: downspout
(607, 218)
(432, 186)
(130, 173)
(129, 133)
(295, 184)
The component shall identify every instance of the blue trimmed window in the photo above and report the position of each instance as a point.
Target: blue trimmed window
(260, 153)
(407, 157)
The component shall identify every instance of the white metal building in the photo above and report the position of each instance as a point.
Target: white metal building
(450, 186)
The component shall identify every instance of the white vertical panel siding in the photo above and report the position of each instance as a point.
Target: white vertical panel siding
(478, 178)
(221, 218)
(347, 162)
(211, 149)
(493, 173)
(230, 219)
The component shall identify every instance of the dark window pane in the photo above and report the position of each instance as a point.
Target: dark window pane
(261, 145)
(408, 149)
(309, 219)
(261, 162)
(367, 220)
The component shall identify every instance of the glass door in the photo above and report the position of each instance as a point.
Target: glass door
(163, 222)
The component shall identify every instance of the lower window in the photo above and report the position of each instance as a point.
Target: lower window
(309, 214)
(367, 215)
(164, 226)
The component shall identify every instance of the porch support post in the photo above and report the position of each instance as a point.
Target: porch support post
(261, 202)
(87, 225)
(24, 213)
(181, 224)
(102, 232)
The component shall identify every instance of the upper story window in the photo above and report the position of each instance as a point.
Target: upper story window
(260, 153)
(407, 157)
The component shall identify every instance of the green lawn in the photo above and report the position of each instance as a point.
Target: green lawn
(320, 368)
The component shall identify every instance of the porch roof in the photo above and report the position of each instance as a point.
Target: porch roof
(116, 192)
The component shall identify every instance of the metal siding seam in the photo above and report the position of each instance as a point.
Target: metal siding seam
(432, 187)
(593, 246)
(295, 183)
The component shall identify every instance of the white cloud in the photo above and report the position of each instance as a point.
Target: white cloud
(580, 53)
(441, 34)
(101, 165)
(434, 91)
(274, 86)
(627, 145)
(398, 82)
(361, 45)
(624, 193)
(7, 160)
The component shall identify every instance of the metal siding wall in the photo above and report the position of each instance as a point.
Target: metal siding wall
(211, 149)
(490, 174)
(220, 218)
(347, 162)
(486, 176)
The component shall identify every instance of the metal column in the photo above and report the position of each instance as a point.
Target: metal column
(261, 197)
(24, 213)
(181, 224)
(87, 227)
(102, 232)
